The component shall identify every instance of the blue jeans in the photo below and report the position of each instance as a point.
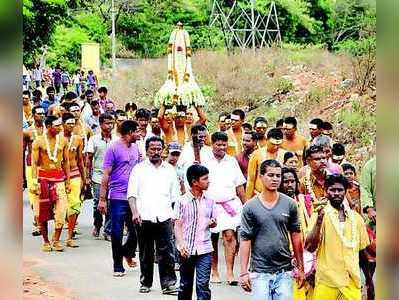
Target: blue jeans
(266, 286)
(201, 264)
(121, 215)
(97, 216)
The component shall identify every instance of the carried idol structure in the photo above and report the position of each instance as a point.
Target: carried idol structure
(180, 88)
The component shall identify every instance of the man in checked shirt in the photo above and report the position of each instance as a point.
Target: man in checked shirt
(195, 215)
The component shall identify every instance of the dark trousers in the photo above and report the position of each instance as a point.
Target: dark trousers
(201, 264)
(121, 215)
(159, 233)
(97, 216)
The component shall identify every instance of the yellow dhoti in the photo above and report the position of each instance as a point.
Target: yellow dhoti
(33, 198)
(74, 203)
(324, 292)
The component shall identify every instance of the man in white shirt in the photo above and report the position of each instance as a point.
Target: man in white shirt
(194, 151)
(226, 188)
(152, 188)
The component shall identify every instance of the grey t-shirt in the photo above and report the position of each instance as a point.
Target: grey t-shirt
(268, 230)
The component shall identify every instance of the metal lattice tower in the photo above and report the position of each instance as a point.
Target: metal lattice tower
(244, 26)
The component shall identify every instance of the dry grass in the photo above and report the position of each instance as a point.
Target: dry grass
(272, 82)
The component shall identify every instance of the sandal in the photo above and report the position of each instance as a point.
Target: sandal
(131, 262)
(144, 289)
(46, 247)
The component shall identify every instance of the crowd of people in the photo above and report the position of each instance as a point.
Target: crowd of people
(292, 208)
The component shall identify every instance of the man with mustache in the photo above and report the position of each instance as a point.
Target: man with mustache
(119, 160)
(267, 222)
(151, 208)
(338, 235)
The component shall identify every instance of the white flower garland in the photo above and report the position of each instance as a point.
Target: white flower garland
(335, 223)
(52, 156)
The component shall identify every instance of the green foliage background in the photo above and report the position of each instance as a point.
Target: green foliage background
(143, 26)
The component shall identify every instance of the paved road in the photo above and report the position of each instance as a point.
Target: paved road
(87, 271)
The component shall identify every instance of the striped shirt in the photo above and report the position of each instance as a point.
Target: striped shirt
(195, 216)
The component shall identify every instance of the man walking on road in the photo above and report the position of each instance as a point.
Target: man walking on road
(267, 221)
(119, 160)
(153, 186)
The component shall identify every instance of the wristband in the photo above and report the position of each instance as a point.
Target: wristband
(242, 275)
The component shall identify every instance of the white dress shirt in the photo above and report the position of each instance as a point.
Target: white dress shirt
(155, 189)
(224, 176)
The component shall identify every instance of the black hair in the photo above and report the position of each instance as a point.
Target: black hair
(143, 113)
(105, 116)
(268, 163)
(154, 112)
(336, 178)
(94, 103)
(180, 108)
(338, 149)
(36, 108)
(37, 93)
(286, 170)
(154, 138)
(49, 120)
(70, 96)
(66, 116)
(348, 166)
(197, 128)
(247, 125)
(275, 133)
(327, 126)
(120, 112)
(288, 155)
(224, 114)
(127, 126)
(313, 149)
(89, 92)
(291, 120)
(239, 112)
(280, 123)
(253, 134)
(317, 121)
(130, 105)
(219, 136)
(26, 92)
(195, 172)
(50, 89)
(102, 89)
(260, 120)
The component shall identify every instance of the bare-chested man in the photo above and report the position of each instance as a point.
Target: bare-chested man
(29, 135)
(77, 174)
(51, 180)
(80, 129)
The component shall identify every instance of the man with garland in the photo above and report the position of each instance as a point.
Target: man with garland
(77, 174)
(338, 235)
(29, 136)
(51, 180)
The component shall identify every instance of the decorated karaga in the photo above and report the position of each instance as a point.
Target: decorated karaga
(180, 87)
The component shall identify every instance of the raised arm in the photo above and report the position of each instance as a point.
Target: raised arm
(314, 236)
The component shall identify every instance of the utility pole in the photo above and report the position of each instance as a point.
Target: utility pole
(113, 46)
(253, 23)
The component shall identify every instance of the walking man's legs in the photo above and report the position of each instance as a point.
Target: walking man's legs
(229, 242)
(146, 248)
(118, 209)
(203, 273)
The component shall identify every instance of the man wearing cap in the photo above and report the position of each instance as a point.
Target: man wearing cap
(293, 142)
(315, 128)
(271, 151)
(260, 125)
(29, 136)
(50, 180)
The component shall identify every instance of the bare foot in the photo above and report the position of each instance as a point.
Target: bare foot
(215, 278)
